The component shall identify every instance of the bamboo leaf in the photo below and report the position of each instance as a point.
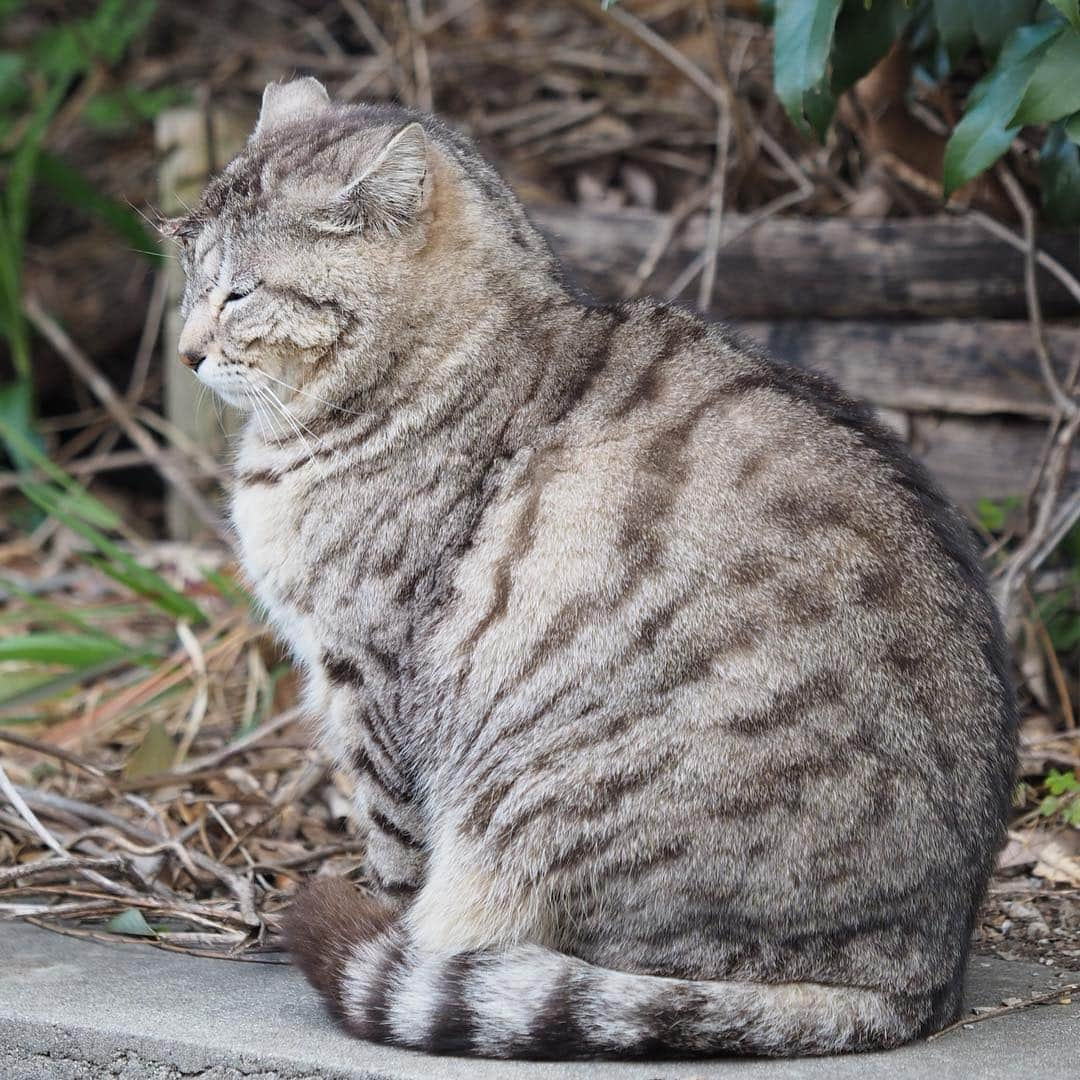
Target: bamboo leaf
(1054, 90)
(55, 647)
(803, 40)
(1070, 9)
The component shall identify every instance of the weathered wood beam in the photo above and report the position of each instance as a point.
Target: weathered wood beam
(966, 366)
(833, 268)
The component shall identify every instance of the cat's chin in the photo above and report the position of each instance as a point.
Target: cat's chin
(239, 397)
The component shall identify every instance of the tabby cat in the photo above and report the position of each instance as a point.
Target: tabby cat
(677, 707)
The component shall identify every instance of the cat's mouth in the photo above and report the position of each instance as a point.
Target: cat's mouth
(230, 382)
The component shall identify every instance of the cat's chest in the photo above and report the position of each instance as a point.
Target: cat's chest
(326, 561)
(269, 523)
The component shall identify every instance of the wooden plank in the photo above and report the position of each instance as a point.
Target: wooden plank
(833, 268)
(982, 458)
(183, 138)
(973, 367)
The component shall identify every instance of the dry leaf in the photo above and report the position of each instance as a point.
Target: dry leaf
(1058, 861)
(156, 754)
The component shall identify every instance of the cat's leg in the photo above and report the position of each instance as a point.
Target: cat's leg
(465, 903)
(383, 797)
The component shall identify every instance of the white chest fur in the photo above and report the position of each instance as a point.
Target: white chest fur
(273, 557)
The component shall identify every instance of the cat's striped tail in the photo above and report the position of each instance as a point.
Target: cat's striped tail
(526, 1001)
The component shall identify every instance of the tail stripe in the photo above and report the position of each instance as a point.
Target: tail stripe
(453, 1030)
(368, 986)
(526, 1001)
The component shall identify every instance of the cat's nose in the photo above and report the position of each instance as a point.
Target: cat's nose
(192, 360)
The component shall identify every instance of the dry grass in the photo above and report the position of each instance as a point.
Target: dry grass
(184, 789)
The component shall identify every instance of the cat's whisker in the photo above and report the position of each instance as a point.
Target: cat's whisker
(154, 254)
(278, 409)
(257, 412)
(267, 421)
(314, 397)
(276, 429)
(294, 420)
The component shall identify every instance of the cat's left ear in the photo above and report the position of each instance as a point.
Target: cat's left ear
(389, 194)
(180, 228)
(287, 102)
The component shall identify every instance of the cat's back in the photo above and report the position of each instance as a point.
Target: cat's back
(753, 562)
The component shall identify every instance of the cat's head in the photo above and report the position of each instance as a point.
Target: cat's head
(335, 234)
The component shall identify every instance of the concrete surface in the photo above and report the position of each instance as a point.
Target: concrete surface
(79, 1009)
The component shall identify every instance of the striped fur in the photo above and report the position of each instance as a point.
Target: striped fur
(527, 1001)
(675, 702)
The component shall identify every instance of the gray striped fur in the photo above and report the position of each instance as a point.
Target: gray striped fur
(676, 704)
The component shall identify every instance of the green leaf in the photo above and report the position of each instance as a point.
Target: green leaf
(864, 34)
(1071, 816)
(1049, 806)
(803, 40)
(1027, 41)
(123, 110)
(1054, 90)
(117, 563)
(71, 499)
(130, 921)
(982, 136)
(156, 754)
(994, 20)
(48, 686)
(994, 513)
(231, 589)
(1072, 127)
(14, 684)
(984, 132)
(23, 163)
(115, 24)
(12, 66)
(17, 413)
(1070, 9)
(1059, 170)
(955, 28)
(1061, 783)
(12, 320)
(54, 647)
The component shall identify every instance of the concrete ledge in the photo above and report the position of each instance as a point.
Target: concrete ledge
(80, 1009)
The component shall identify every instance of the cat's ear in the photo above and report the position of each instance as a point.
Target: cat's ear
(179, 228)
(388, 194)
(283, 103)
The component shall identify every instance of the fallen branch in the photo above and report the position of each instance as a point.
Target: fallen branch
(993, 1014)
(120, 411)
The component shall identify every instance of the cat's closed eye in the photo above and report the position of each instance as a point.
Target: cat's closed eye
(241, 292)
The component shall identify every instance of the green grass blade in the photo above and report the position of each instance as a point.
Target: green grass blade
(69, 650)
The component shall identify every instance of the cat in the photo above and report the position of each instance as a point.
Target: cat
(679, 713)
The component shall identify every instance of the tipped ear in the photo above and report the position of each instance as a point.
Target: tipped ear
(180, 228)
(388, 195)
(282, 103)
